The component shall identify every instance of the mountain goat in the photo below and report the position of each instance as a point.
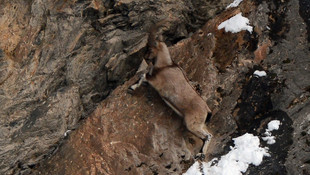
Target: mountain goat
(169, 80)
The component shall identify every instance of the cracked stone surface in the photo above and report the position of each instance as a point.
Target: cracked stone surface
(65, 67)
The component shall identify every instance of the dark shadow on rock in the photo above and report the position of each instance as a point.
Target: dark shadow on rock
(254, 102)
(275, 164)
(255, 112)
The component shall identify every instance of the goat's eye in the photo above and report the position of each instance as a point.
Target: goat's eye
(156, 44)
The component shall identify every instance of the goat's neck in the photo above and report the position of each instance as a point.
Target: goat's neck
(163, 58)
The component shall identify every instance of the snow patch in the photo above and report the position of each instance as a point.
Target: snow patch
(245, 152)
(260, 73)
(234, 4)
(236, 24)
(270, 139)
(193, 170)
(272, 125)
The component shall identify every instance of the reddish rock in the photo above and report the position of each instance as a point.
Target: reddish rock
(262, 51)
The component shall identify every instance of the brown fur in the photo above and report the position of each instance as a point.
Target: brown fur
(170, 82)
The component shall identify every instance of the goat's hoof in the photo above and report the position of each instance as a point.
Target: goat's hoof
(130, 91)
(200, 156)
(207, 138)
(145, 83)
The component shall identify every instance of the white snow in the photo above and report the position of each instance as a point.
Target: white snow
(245, 152)
(260, 73)
(193, 170)
(270, 139)
(235, 24)
(234, 4)
(272, 125)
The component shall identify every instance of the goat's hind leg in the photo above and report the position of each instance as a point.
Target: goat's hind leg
(200, 129)
(206, 142)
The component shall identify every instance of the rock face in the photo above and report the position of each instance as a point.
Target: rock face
(61, 61)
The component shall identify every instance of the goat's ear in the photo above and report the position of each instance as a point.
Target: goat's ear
(160, 38)
(153, 44)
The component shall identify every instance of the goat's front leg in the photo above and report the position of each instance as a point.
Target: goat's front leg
(142, 71)
(137, 84)
(149, 69)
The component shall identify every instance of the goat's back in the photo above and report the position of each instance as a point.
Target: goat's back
(174, 87)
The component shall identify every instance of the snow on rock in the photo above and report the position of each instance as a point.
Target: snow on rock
(193, 170)
(236, 24)
(270, 139)
(260, 73)
(245, 152)
(272, 125)
(234, 4)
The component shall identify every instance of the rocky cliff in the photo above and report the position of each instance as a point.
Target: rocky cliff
(65, 67)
